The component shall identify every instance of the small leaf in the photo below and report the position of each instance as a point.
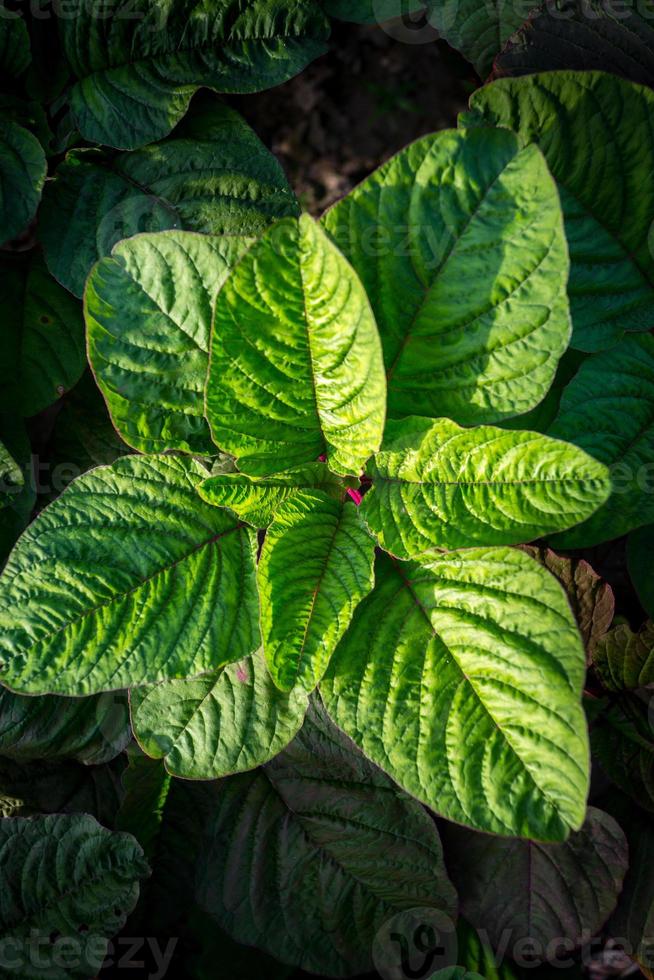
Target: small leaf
(595, 132)
(135, 85)
(256, 501)
(478, 30)
(11, 477)
(459, 243)
(450, 674)
(546, 893)
(148, 314)
(437, 485)
(213, 175)
(309, 856)
(22, 175)
(64, 876)
(126, 579)
(316, 566)
(608, 411)
(640, 548)
(296, 368)
(229, 721)
(625, 660)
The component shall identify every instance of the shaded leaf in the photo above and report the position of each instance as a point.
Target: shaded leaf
(296, 367)
(146, 786)
(634, 918)
(640, 548)
(459, 243)
(126, 579)
(22, 175)
(448, 677)
(15, 54)
(622, 740)
(625, 660)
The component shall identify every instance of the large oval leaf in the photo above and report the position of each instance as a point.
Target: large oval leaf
(595, 131)
(547, 894)
(148, 313)
(22, 175)
(135, 83)
(316, 566)
(296, 367)
(459, 242)
(608, 410)
(309, 856)
(126, 579)
(436, 485)
(64, 877)
(227, 722)
(462, 679)
(213, 175)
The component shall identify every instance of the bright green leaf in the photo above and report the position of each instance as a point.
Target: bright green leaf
(256, 501)
(135, 82)
(213, 175)
(309, 856)
(316, 566)
(595, 132)
(126, 579)
(22, 175)
(296, 367)
(608, 410)
(148, 314)
(437, 485)
(462, 679)
(213, 726)
(459, 242)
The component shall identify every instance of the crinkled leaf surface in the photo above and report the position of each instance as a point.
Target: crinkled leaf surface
(595, 131)
(256, 501)
(11, 477)
(462, 677)
(44, 353)
(608, 410)
(135, 78)
(437, 485)
(296, 366)
(126, 579)
(229, 721)
(316, 566)
(91, 730)
(459, 243)
(22, 175)
(478, 30)
(640, 548)
(591, 598)
(624, 659)
(517, 890)
(213, 175)
(148, 313)
(583, 35)
(67, 875)
(309, 856)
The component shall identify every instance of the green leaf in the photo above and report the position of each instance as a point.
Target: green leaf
(622, 741)
(370, 11)
(147, 786)
(296, 367)
(475, 954)
(308, 857)
(595, 131)
(316, 566)
(15, 515)
(625, 660)
(478, 30)
(256, 501)
(135, 84)
(591, 598)
(15, 54)
(459, 243)
(522, 890)
(22, 175)
(126, 579)
(583, 35)
(640, 548)
(45, 354)
(67, 877)
(450, 676)
(148, 315)
(437, 485)
(213, 175)
(91, 730)
(608, 410)
(229, 721)
(11, 477)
